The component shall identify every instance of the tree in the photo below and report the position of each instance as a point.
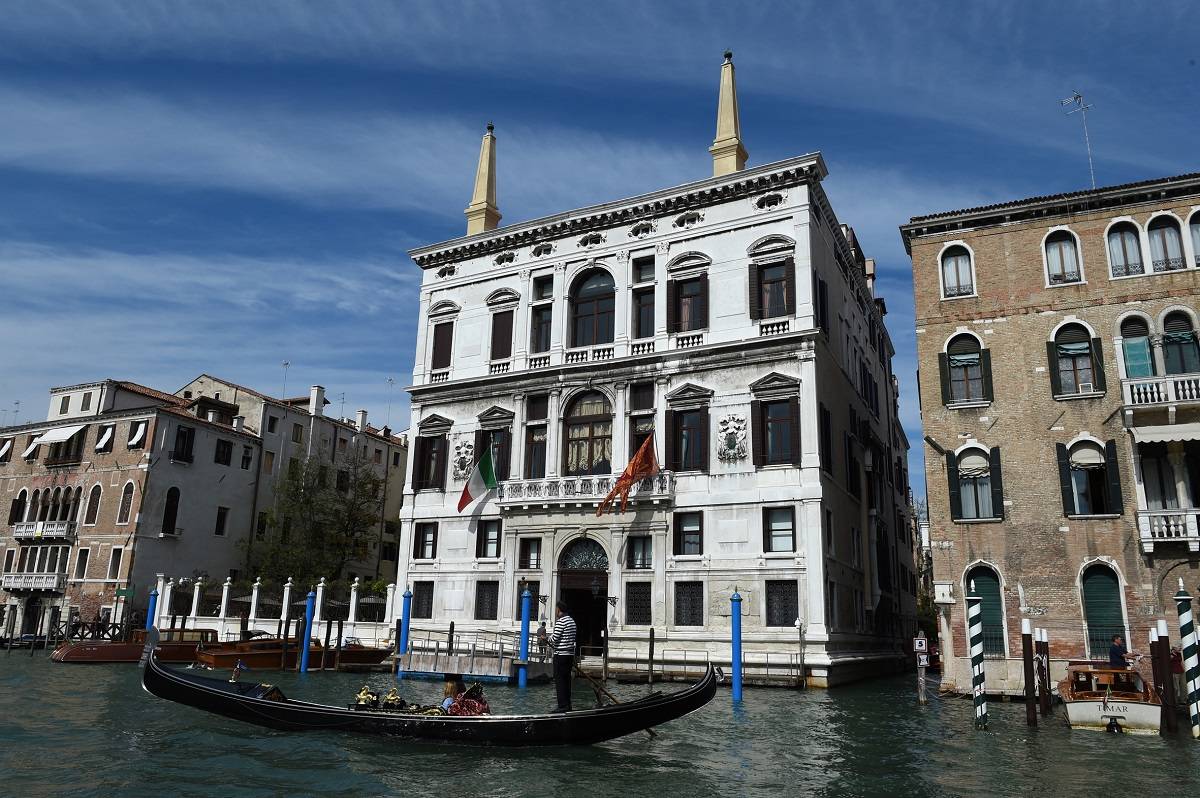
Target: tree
(324, 516)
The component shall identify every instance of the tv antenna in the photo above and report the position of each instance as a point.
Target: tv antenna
(342, 411)
(1078, 106)
(285, 365)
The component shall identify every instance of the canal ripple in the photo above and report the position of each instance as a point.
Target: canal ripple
(92, 731)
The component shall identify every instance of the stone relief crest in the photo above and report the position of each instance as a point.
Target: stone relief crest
(731, 438)
(464, 458)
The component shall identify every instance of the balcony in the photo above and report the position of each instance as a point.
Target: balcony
(1173, 389)
(43, 530)
(1158, 527)
(581, 491)
(54, 582)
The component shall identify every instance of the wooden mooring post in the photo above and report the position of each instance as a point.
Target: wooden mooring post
(328, 635)
(337, 659)
(1169, 724)
(287, 630)
(1027, 662)
(650, 675)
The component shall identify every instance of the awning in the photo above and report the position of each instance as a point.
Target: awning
(137, 436)
(30, 449)
(4, 447)
(1170, 432)
(105, 437)
(59, 434)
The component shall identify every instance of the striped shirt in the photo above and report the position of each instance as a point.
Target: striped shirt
(562, 639)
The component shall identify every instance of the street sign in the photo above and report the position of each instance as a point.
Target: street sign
(922, 660)
(920, 644)
(125, 592)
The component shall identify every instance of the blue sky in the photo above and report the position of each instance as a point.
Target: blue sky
(221, 186)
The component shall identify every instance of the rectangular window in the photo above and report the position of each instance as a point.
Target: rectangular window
(502, 333)
(530, 554)
(269, 462)
(377, 457)
(497, 442)
(543, 287)
(223, 453)
(535, 452)
(689, 603)
(422, 605)
(773, 288)
(260, 527)
(643, 313)
(87, 401)
(425, 541)
(247, 457)
(222, 520)
(487, 540)
(779, 529)
(689, 440)
(429, 463)
(691, 304)
(297, 433)
(779, 419)
(65, 405)
(640, 428)
(272, 423)
(443, 344)
(853, 480)
(81, 563)
(537, 407)
(104, 439)
(643, 269)
(830, 541)
(637, 604)
(783, 602)
(185, 438)
(388, 551)
(540, 322)
(395, 459)
(640, 550)
(689, 534)
(114, 564)
(8, 560)
(137, 435)
(826, 440)
(487, 600)
(641, 396)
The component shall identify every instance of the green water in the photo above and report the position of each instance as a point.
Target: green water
(85, 730)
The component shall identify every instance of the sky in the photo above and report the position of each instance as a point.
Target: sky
(224, 186)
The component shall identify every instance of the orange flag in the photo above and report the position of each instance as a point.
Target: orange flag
(644, 464)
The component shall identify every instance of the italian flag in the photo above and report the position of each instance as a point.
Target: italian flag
(482, 479)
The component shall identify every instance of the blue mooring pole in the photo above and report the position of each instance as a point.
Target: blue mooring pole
(405, 619)
(523, 668)
(735, 602)
(150, 624)
(310, 607)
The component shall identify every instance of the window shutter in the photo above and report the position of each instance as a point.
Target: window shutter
(703, 314)
(502, 329)
(1113, 472)
(439, 444)
(766, 529)
(816, 301)
(676, 536)
(669, 443)
(480, 537)
(1052, 362)
(794, 410)
(700, 518)
(1064, 479)
(478, 444)
(985, 368)
(755, 292)
(672, 305)
(704, 425)
(944, 369)
(955, 491)
(789, 290)
(997, 483)
(416, 541)
(419, 455)
(1098, 382)
(824, 292)
(757, 453)
(435, 539)
(443, 341)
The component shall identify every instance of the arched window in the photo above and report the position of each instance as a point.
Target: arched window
(1124, 250)
(16, 511)
(1166, 244)
(956, 273)
(589, 436)
(971, 485)
(593, 307)
(93, 505)
(1194, 225)
(1135, 341)
(1158, 477)
(126, 504)
(1102, 608)
(55, 505)
(1075, 361)
(170, 511)
(1180, 353)
(966, 371)
(73, 512)
(1062, 259)
(1089, 479)
(985, 583)
(35, 506)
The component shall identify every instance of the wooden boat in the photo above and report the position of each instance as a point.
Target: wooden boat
(267, 652)
(265, 705)
(181, 649)
(1096, 696)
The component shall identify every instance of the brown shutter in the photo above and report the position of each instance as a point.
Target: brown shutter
(955, 489)
(502, 329)
(755, 292)
(672, 305)
(419, 447)
(703, 314)
(435, 539)
(478, 445)
(824, 297)
(789, 290)
(757, 452)
(997, 483)
(1113, 472)
(1098, 381)
(1064, 479)
(704, 424)
(766, 530)
(1052, 364)
(440, 445)
(794, 410)
(443, 342)
(669, 441)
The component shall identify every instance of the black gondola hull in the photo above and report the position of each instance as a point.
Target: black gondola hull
(581, 727)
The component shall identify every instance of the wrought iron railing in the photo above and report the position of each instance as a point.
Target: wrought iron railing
(1169, 264)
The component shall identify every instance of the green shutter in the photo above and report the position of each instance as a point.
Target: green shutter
(1052, 364)
(1102, 609)
(1064, 479)
(987, 587)
(1113, 472)
(944, 371)
(1098, 381)
(985, 367)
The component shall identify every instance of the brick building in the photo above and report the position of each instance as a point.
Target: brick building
(1060, 396)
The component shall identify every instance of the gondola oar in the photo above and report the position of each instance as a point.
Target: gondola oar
(599, 688)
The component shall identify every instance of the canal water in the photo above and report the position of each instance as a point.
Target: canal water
(89, 730)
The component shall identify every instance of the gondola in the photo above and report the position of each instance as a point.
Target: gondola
(265, 705)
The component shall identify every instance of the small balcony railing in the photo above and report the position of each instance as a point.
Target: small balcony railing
(585, 489)
(38, 530)
(33, 581)
(182, 456)
(1171, 389)
(1169, 264)
(1158, 527)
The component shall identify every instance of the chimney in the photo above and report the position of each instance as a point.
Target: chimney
(387, 431)
(728, 154)
(211, 415)
(869, 270)
(238, 421)
(361, 422)
(316, 400)
(482, 213)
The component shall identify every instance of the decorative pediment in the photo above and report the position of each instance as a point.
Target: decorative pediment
(502, 296)
(688, 260)
(689, 392)
(775, 383)
(771, 244)
(496, 416)
(444, 308)
(434, 425)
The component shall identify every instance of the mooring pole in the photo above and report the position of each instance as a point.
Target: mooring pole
(171, 633)
(523, 668)
(337, 659)
(328, 636)
(650, 675)
(975, 629)
(150, 611)
(310, 609)
(1191, 657)
(735, 605)
(604, 666)
(450, 641)
(287, 632)
(1155, 662)
(405, 621)
(1045, 699)
(1027, 657)
(922, 698)
(1168, 694)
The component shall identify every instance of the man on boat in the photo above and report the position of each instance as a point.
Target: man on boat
(562, 643)
(1118, 655)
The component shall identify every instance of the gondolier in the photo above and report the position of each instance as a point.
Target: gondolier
(562, 643)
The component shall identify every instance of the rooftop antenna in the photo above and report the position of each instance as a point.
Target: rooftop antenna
(286, 363)
(16, 411)
(342, 411)
(1078, 106)
(391, 384)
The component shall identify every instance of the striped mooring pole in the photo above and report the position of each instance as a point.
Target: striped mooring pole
(1191, 658)
(975, 629)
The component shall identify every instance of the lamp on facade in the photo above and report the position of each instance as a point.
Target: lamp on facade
(542, 600)
(612, 619)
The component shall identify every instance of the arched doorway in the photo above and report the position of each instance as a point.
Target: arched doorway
(583, 587)
(31, 621)
(1102, 608)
